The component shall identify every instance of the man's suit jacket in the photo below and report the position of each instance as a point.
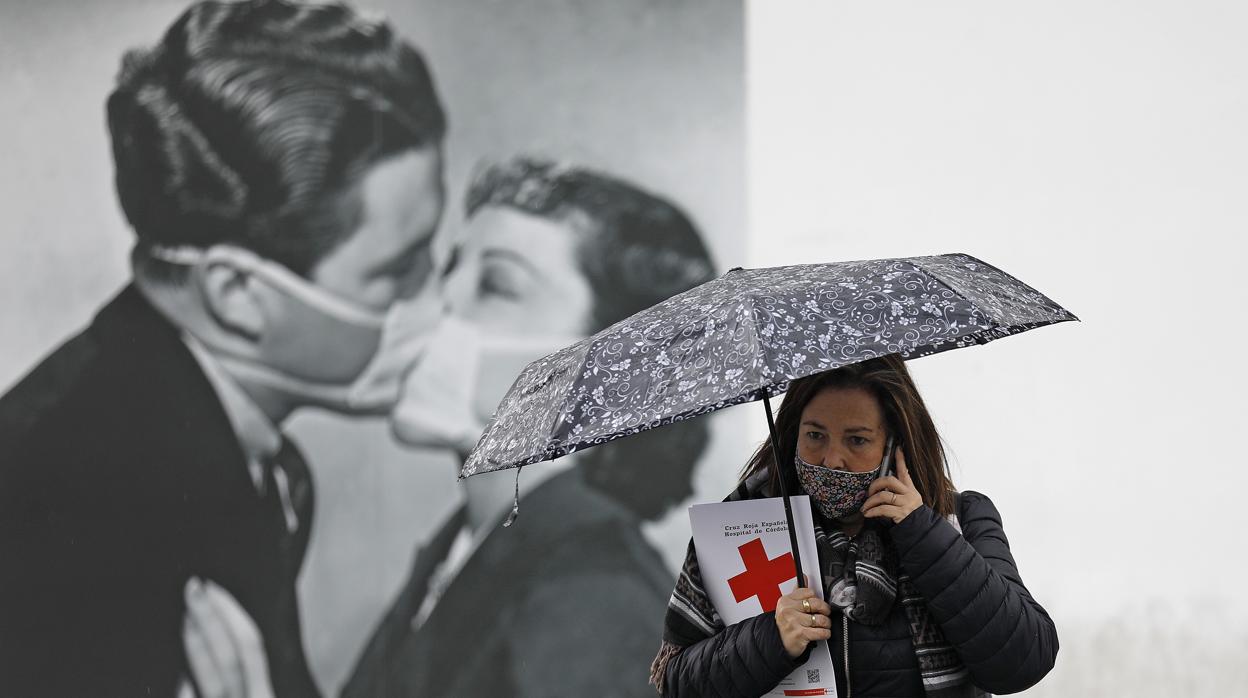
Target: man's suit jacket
(567, 601)
(121, 478)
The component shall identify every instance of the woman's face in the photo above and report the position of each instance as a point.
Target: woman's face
(518, 274)
(843, 429)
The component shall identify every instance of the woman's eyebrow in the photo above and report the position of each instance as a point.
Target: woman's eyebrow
(504, 253)
(854, 430)
(813, 423)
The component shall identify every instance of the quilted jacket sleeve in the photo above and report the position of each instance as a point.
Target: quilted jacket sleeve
(747, 659)
(973, 590)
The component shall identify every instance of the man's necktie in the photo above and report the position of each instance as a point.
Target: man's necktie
(288, 490)
(288, 505)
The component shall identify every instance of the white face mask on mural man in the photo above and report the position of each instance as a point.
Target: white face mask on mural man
(344, 336)
(398, 337)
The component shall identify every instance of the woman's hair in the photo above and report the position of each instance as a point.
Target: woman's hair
(906, 419)
(635, 249)
(250, 123)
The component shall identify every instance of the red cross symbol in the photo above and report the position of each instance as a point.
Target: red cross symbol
(762, 577)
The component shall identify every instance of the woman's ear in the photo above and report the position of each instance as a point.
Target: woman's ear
(230, 293)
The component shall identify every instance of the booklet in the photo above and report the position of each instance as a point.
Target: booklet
(746, 558)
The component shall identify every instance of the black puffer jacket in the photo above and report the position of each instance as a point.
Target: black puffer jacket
(972, 588)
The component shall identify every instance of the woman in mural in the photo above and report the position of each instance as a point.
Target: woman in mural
(568, 600)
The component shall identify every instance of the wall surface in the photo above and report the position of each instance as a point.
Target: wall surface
(1095, 150)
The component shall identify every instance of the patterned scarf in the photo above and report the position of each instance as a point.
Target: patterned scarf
(861, 576)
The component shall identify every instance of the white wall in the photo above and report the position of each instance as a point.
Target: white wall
(1096, 149)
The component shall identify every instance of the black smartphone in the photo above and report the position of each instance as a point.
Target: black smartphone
(886, 465)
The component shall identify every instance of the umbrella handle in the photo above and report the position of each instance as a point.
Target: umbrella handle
(784, 491)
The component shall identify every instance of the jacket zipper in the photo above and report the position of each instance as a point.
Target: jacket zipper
(849, 691)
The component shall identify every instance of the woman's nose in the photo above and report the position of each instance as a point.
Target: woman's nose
(834, 459)
(457, 291)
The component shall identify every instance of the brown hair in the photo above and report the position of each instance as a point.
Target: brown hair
(635, 248)
(252, 123)
(905, 417)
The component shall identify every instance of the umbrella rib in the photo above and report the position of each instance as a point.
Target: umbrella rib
(553, 428)
(995, 326)
(755, 344)
(751, 394)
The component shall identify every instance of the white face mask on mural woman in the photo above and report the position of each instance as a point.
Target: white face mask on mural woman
(449, 397)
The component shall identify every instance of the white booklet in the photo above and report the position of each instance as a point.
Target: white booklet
(747, 565)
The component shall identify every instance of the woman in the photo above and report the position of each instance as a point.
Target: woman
(521, 611)
(920, 578)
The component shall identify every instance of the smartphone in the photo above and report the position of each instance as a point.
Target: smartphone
(886, 465)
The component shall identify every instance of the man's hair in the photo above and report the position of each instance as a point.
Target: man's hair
(250, 123)
(635, 249)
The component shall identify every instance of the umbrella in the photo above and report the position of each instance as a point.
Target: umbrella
(744, 336)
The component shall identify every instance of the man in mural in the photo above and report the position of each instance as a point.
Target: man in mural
(281, 166)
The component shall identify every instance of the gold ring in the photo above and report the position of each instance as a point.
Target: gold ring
(806, 605)
(812, 620)
(894, 500)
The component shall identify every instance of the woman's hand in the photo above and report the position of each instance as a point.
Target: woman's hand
(223, 646)
(893, 497)
(802, 619)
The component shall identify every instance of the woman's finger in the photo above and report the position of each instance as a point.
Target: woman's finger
(242, 629)
(816, 634)
(888, 483)
(794, 598)
(890, 493)
(795, 634)
(248, 644)
(217, 638)
(798, 599)
(903, 473)
(820, 607)
(886, 497)
(204, 665)
(879, 483)
(800, 594)
(883, 510)
(801, 618)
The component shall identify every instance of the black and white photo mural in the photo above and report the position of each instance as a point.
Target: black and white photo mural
(268, 267)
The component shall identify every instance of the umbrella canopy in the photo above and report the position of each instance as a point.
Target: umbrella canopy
(744, 336)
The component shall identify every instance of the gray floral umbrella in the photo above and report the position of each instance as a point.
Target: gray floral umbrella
(744, 336)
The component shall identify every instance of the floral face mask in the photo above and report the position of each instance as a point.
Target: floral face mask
(837, 493)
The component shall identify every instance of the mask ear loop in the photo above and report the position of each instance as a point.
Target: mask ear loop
(515, 504)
